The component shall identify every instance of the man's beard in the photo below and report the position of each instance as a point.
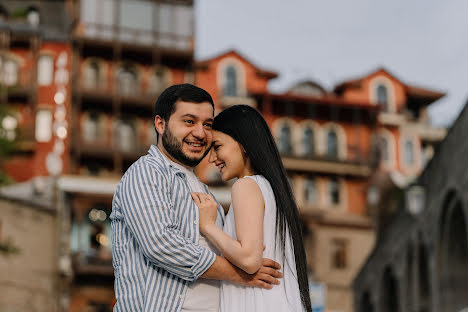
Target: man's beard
(174, 148)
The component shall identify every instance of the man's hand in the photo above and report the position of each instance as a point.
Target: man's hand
(265, 277)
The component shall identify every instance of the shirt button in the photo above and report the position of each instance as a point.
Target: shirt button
(181, 296)
(195, 222)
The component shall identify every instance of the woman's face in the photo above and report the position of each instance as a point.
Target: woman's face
(228, 155)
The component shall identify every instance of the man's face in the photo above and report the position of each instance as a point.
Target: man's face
(187, 135)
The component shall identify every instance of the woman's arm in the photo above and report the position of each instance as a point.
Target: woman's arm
(249, 207)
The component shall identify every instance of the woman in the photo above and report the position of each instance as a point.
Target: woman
(263, 219)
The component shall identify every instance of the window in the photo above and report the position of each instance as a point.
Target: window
(9, 127)
(310, 191)
(334, 191)
(408, 151)
(127, 80)
(230, 81)
(8, 72)
(332, 144)
(159, 80)
(33, 16)
(91, 75)
(43, 129)
(125, 136)
(382, 96)
(384, 149)
(145, 22)
(45, 70)
(91, 235)
(92, 129)
(338, 253)
(308, 142)
(285, 146)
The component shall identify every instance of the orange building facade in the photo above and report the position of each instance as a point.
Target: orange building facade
(335, 146)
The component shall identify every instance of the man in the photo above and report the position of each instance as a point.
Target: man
(160, 260)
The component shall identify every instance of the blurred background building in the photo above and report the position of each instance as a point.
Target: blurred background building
(419, 262)
(79, 79)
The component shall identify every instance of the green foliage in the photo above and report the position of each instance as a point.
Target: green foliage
(19, 13)
(7, 146)
(8, 248)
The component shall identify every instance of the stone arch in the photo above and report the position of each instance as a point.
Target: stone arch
(452, 255)
(366, 304)
(424, 279)
(410, 258)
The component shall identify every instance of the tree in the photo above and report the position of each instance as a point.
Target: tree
(8, 140)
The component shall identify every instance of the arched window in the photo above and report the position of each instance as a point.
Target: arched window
(33, 16)
(8, 72)
(382, 96)
(338, 253)
(230, 81)
(92, 130)
(310, 191)
(408, 151)
(285, 144)
(127, 80)
(125, 136)
(332, 144)
(334, 191)
(91, 75)
(45, 70)
(308, 141)
(159, 80)
(3, 13)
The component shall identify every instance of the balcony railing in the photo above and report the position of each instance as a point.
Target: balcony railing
(93, 263)
(16, 88)
(321, 164)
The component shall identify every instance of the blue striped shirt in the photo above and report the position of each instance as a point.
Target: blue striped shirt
(155, 234)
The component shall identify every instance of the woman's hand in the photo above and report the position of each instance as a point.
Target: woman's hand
(208, 209)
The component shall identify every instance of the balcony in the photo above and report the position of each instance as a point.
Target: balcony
(16, 87)
(326, 165)
(227, 101)
(162, 26)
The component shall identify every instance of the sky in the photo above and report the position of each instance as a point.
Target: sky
(422, 42)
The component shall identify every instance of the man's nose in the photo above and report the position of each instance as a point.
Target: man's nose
(199, 131)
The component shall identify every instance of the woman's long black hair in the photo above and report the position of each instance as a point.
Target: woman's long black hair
(245, 125)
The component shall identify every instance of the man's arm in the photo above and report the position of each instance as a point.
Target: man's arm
(146, 206)
(265, 277)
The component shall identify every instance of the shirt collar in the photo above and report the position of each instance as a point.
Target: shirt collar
(155, 152)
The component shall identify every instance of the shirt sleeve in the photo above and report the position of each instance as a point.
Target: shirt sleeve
(147, 211)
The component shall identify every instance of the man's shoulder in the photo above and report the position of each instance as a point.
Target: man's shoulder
(146, 167)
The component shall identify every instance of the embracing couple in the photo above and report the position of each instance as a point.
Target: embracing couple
(174, 249)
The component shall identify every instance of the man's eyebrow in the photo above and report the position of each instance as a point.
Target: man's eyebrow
(195, 117)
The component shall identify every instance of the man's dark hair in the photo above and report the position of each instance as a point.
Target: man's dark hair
(166, 103)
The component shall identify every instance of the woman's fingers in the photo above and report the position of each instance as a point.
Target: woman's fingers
(196, 197)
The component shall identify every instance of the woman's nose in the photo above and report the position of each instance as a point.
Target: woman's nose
(212, 156)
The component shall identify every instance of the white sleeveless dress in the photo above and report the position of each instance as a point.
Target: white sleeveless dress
(283, 297)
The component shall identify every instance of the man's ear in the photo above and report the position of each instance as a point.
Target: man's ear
(159, 124)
